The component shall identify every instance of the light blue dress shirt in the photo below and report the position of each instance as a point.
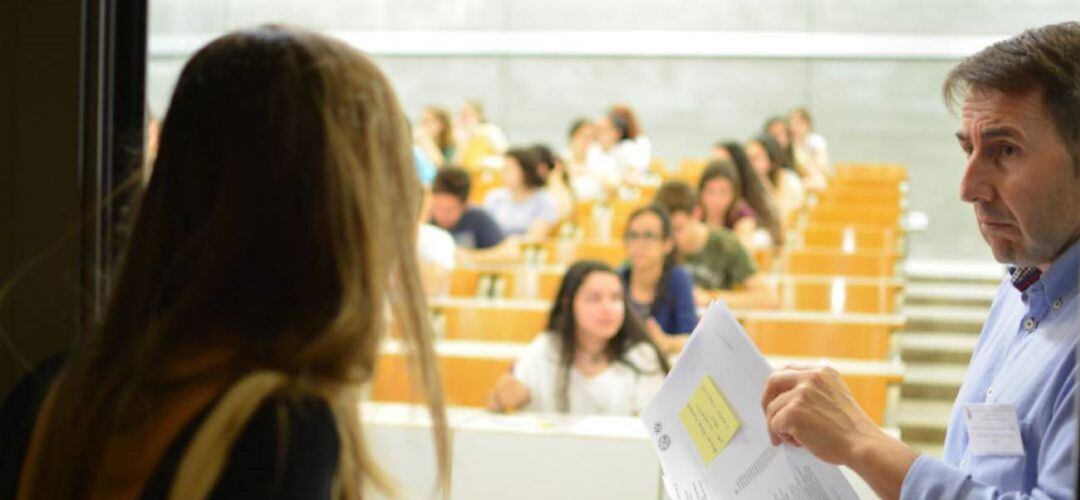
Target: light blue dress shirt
(1025, 357)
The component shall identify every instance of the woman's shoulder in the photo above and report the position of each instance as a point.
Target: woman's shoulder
(291, 438)
(680, 277)
(644, 357)
(545, 346)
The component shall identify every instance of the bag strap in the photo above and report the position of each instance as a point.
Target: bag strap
(208, 451)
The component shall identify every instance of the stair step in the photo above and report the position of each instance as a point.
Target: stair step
(950, 293)
(945, 318)
(936, 347)
(938, 341)
(934, 374)
(954, 271)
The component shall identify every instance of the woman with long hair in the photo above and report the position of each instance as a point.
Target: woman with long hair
(266, 264)
(435, 135)
(752, 189)
(782, 182)
(722, 205)
(594, 358)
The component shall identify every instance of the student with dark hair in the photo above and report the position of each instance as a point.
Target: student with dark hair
(593, 175)
(248, 313)
(472, 227)
(622, 138)
(779, 128)
(752, 190)
(722, 205)
(659, 289)
(718, 262)
(522, 207)
(782, 182)
(1013, 429)
(558, 181)
(594, 358)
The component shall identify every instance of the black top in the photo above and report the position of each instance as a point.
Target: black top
(288, 450)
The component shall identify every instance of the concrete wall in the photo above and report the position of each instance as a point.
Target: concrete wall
(870, 109)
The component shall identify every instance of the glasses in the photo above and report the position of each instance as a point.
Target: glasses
(646, 236)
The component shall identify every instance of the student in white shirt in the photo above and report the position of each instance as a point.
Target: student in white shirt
(593, 175)
(809, 148)
(622, 138)
(595, 359)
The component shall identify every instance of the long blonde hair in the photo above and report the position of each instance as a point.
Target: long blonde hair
(270, 226)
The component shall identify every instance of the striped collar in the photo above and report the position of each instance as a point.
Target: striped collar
(1023, 277)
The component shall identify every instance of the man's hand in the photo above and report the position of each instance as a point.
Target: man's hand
(813, 408)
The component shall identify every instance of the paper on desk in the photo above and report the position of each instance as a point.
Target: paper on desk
(709, 429)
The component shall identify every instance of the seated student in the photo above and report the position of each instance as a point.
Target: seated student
(436, 250)
(522, 207)
(435, 135)
(477, 140)
(477, 235)
(719, 264)
(723, 207)
(595, 357)
(809, 149)
(780, 181)
(557, 180)
(593, 174)
(658, 289)
(753, 190)
(622, 138)
(472, 227)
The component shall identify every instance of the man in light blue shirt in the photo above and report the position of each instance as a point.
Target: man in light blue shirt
(1013, 428)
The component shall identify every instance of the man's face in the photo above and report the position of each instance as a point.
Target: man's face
(446, 210)
(1020, 177)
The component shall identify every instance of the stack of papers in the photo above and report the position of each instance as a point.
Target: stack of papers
(709, 429)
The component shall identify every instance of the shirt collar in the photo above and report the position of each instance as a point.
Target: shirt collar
(1058, 281)
(1064, 274)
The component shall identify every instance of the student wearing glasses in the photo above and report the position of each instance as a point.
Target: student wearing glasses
(659, 290)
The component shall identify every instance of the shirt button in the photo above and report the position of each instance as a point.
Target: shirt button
(1057, 304)
(1029, 324)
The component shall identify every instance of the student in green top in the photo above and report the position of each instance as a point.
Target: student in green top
(720, 266)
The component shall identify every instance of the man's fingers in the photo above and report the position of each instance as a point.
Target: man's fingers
(780, 382)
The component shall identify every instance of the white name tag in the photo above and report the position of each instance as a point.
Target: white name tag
(993, 429)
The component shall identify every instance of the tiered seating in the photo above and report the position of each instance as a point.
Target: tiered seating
(470, 369)
(837, 280)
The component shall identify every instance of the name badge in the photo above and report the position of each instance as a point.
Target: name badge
(993, 429)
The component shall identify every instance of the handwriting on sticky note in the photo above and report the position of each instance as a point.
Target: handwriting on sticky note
(708, 419)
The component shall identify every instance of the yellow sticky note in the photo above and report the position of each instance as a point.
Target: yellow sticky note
(708, 419)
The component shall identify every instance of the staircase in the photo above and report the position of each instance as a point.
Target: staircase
(946, 304)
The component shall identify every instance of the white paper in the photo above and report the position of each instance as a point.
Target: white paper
(749, 466)
(993, 429)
